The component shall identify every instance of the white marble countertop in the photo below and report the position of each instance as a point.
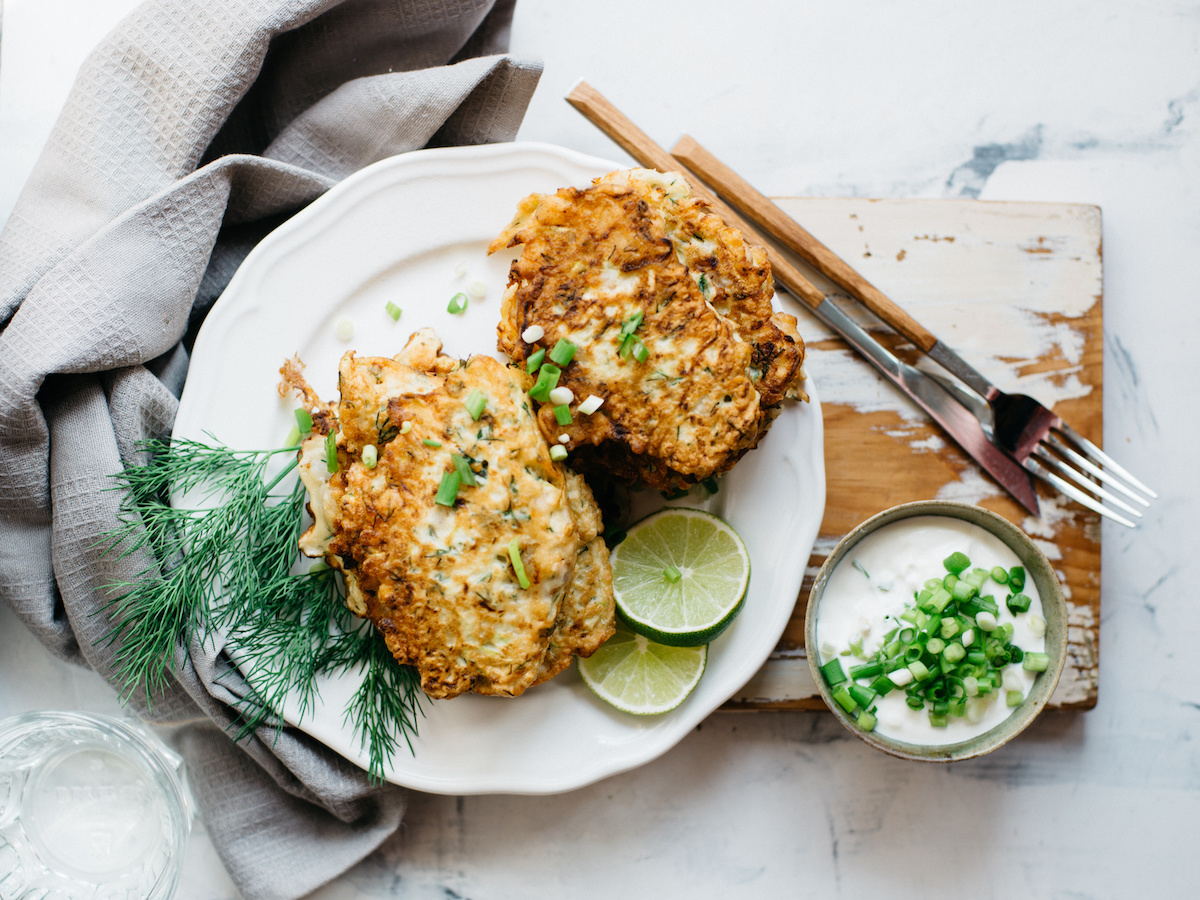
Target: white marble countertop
(1075, 101)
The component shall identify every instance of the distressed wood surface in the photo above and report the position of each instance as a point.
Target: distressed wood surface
(1016, 288)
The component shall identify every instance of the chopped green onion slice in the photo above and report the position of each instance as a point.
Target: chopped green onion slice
(393, 310)
(863, 696)
(304, 421)
(640, 353)
(370, 456)
(833, 672)
(1018, 603)
(866, 720)
(535, 361)
(558, 452)
(463, 468)
(546, 382)
(626, 347)
(1016, 578)
(406, 427)
(475, 403)
(563, 352)
(447, 491)
(430, 442)
(630, 325)
(562, 414)
(293, 437)
(514, 554)
(1012, 698)
(1035, 662)
(999, 575)
(672, 574)
(331, 460)
(843, 699)
(458, 303)
(956, 562)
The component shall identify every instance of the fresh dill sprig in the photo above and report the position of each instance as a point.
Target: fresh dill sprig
(226, 565)
(389, 695)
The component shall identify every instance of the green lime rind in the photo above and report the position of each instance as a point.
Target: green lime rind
(714, 569)
(639, 676)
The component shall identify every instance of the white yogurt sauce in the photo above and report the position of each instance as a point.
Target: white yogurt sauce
(878, 578)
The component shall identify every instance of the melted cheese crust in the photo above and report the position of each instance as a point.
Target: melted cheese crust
(719, 359)
(436, 580)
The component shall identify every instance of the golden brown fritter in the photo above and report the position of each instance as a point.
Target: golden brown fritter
(438, 580)
(635, 266)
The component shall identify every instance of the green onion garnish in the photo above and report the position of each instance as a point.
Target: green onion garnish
(331, 460)
(293, 438)
(546, 382)
(563, 353)
(843, 699)
(476, 403)
(558, 452)
(447, 491)
(562, 414)
(947, 646)
(640, 353)
(393, 310)
(370, 456)
(458, 303)
(630, 325)
(304, 421)
(833, 672)
(672, 574)
(1018, 603)
(463, 468)
(535, 360)
(626, 347)
(1035, 662)
(514, 554)
(956, 562)
(430, 442)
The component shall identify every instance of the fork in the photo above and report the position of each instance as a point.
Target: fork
(1033, 435)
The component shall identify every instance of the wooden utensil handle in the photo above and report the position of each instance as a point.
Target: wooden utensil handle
(639, 145)
(789, 232)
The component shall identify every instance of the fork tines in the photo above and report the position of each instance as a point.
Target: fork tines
(1097, 467)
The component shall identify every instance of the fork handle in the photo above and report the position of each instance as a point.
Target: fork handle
(788, 232)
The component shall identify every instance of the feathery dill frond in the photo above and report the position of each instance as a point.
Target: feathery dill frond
(225, 563)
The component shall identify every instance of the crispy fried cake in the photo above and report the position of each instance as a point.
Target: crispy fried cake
(670, 312)
(437, 580)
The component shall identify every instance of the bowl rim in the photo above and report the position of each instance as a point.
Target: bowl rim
(1040, 570)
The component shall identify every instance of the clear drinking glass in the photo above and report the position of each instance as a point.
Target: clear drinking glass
(90, 806)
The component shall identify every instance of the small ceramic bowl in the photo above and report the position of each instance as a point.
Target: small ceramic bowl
(1038, 571)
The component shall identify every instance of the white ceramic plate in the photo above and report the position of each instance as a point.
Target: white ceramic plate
(397, 231)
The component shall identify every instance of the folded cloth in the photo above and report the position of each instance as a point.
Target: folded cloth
(193, 129)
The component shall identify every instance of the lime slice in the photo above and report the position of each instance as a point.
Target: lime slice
(639, 676)
(680, 576)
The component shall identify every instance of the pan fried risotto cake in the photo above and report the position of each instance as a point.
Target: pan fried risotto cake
(668, 310)
(475, 554)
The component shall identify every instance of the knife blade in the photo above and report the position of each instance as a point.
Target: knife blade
(942, 406)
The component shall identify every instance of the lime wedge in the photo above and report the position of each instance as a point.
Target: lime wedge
(638, 676)
(680, 576)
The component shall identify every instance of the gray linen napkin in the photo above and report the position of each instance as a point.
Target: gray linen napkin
(193, 129)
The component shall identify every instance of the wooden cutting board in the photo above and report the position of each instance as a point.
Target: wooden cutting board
(1016, 289)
